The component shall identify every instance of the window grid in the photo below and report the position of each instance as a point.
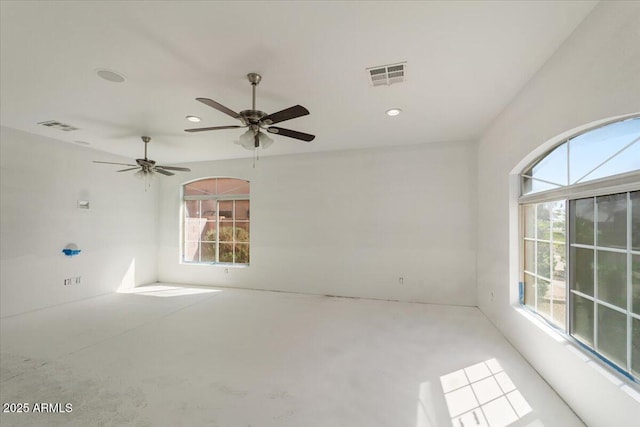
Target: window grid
(529, 178)
(539, 279)
(597, 250)
(598, 303)
(217, 220)
(596, 278)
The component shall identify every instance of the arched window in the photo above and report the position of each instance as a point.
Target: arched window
(580, 227)
(216, 221)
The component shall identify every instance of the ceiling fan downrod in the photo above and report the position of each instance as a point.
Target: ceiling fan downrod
(254, 79)
(146, 140)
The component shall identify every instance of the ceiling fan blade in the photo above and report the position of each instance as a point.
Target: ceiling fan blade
(129, 169)
(163, 172)
(111, 163)
(291, 133)
(213, 104)
(174, 168)
(213, 128)
(286, 114)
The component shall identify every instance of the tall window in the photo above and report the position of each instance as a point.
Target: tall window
(580, 206)
(216, 221)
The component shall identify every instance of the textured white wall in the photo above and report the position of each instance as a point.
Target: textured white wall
(347, 223)
(42, 180)
(594, 75)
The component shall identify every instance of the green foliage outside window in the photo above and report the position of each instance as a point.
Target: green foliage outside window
(231, 240)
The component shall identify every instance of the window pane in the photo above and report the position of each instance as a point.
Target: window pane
(612, 221)
(558, 284)
(589, 149)
(612, 334)
(582, 319)
(530, 186)
(242, 232)
(635, 220)
(529, 256)
(191, 251)
(612, 278)
(529, 290)
(226, 231)
(209, 210)
(544, 260)
(234, 186)
(635, 282)
(202, 187)
(192, 209)
(544, 221)
(529, 212)
(626, 161)
(216, 186)
(208, 252)
(544, 297)
(559, 262)
(226, 252)
(209, 232)
(242, 210)
(242, 253)
(582, 214)
(553, 167)
(582, 269)
(225, 210)
(193, 228)
(558, 310)
(558, 218)
(635, 347)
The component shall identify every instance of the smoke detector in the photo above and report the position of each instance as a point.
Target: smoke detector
(385, 75)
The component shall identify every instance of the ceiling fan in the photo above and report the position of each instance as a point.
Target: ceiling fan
(257, 120)
(147, 166)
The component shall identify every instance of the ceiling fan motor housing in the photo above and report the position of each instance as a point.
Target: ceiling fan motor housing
(145, 162)
(253, 117)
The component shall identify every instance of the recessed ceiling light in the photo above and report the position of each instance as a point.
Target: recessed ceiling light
(393, 112)
(110, 75)
(194, 119)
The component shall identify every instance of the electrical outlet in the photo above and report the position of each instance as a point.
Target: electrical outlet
(67, 282)
(401, 280)
(77, 280)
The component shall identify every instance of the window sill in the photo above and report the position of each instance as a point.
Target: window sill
(619, 380)
(216, 264)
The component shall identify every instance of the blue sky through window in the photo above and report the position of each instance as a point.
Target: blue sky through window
(609, 150)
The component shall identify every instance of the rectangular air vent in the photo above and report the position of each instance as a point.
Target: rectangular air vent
(385, 75)
(58, 125)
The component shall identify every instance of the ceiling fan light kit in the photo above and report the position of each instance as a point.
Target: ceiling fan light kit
(258, 121)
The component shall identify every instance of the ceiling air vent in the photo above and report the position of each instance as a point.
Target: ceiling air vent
(385, 75)
(58, 125)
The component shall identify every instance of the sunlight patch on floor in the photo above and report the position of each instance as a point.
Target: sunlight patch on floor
(164, 291)
(483, 395)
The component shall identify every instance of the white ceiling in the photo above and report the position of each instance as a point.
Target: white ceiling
(465, 62)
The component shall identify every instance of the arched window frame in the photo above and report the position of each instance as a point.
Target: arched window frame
(627, 183)
(209, 238)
